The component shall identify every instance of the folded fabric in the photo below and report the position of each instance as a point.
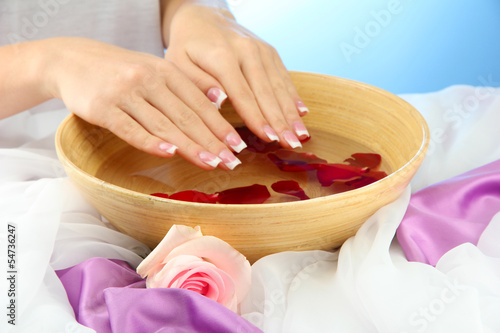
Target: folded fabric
(450, 213)
(109, 296)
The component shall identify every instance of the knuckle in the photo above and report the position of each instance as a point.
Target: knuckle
(212, 144)
(189, 148)
(186, 118)
(264, 93)
(279, 85)
(221, 53)
(126, 130)
(201, 105)
(198, 81)
(291, 113)
(162, 126)
(248, 45)
(136, 73)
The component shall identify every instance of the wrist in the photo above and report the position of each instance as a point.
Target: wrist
(170, 8)
(43, 67)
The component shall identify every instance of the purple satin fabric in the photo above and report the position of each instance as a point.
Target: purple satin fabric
(108, 296)
(447, 214)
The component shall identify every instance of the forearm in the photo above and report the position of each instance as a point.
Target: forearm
(170, 7)
(22, 77)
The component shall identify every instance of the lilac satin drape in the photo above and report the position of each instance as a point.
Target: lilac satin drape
(109, 296)
(447, 214)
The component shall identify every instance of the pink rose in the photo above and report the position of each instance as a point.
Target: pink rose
(207, 265)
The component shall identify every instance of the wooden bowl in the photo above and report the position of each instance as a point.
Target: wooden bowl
(346, 117)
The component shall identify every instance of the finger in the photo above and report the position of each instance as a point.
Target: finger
(282, 93)
(257, 76)
(285, 75)
(159, 125)
(204, 81)
(226, 70)
(130, 131)
(168, 117)
(198, 103)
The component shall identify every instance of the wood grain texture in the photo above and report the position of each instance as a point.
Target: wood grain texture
(346, 117)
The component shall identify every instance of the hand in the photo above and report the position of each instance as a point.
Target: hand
(145, 100)
(219, 56)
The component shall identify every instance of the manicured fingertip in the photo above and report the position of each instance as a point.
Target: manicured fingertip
(300, 129)
(302, 107)
(271, 134)
(167, 148)
(209, 159)
(229, 159)
(217, 97)
(235, 142)
(292, 140)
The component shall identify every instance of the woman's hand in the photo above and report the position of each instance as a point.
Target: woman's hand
(145, 100)
(219, 56)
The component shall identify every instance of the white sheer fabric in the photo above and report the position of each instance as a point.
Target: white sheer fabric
(368, 286)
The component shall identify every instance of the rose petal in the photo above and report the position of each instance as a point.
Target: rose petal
(304, 140)
(161, 195)
(291, 161)
(329, 173)
(194, 196)
(365, 160)
(367, 179)
(193, 273)
(254, 194)
(290, 187)
(171, 271)
(177, 235)
(223, 256)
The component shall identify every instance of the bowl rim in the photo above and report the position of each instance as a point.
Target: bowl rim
(420, 154)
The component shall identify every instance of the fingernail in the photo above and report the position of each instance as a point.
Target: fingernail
(271, 134)
(217, 96)
(300, 129)
(302, 107)
(235, 142)
(168, 147)
(292, 139)
(209, 158)
(229, 159)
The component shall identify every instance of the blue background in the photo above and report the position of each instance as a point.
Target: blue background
(423, 46)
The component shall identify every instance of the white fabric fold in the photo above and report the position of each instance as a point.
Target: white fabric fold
(367, 286)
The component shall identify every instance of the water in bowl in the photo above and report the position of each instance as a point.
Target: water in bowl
(137, 171)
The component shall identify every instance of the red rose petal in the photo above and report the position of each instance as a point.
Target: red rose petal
(291, 161)
(161, 195)
(254, 194)
(367, 179)
(290, 187)
(365, 160)
(194, 196)
(304, 140)
(329, 173)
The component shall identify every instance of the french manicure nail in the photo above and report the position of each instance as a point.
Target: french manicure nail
(235, 142)
(292, 139)
(300, 129)
(217, 96)
(168, 147)
(271, 134)
(229, 159)
(302, 107)
(209, 158)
